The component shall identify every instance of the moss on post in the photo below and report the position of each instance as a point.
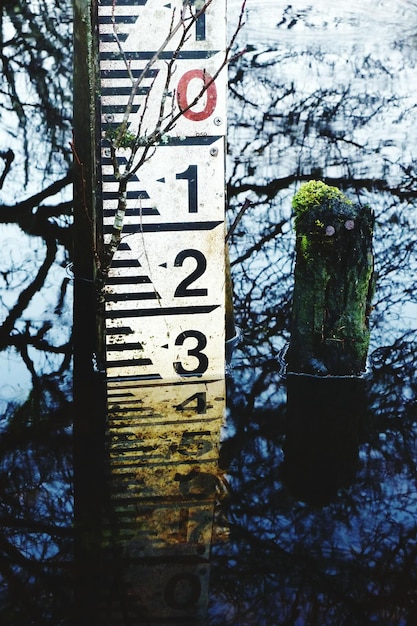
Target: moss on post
(333, 283)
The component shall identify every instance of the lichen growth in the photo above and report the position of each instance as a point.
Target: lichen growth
(321, 212)
(119, 138)
(316, 194)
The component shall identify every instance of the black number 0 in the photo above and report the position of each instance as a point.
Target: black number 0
(183, 289)
(195, 352)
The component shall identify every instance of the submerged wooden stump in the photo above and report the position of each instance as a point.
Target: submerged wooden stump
(333, 283)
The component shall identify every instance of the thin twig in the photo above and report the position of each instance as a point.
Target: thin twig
(237, 219)
(164, 123)
(172, 32)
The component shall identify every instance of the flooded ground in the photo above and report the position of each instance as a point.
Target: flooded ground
(323, 92)
(324, 532)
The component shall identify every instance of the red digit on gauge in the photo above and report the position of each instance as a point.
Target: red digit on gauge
(210, 94)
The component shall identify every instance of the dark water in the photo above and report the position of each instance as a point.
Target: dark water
(323, 501)
(320, 518)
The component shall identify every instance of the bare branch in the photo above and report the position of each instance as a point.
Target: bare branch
(37, 198)
(171, 34)
(237, 219)
(165, 122)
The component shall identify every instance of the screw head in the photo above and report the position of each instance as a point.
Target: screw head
(214, 151)
(330, 231)
(217, 121)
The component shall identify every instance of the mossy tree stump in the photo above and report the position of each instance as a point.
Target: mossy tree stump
(333, 283)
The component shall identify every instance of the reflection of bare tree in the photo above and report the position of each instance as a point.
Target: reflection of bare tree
(35, 213)
(288, 127)
(36, 505)
(353, 560)
(36, 112)
(35, 219)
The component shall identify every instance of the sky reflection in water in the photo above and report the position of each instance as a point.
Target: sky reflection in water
(325, 90)
(338, 545)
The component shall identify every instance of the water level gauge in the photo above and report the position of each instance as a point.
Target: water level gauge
(165, 290)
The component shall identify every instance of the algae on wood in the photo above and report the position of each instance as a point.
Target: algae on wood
(333, 283)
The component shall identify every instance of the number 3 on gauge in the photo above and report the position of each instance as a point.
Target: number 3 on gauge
(187, 338)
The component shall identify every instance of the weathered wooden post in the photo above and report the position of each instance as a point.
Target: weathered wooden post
(333, 283)
(88, 322)
(329, 338)
(152, 216)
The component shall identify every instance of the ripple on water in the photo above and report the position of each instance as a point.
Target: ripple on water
(384, 22)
